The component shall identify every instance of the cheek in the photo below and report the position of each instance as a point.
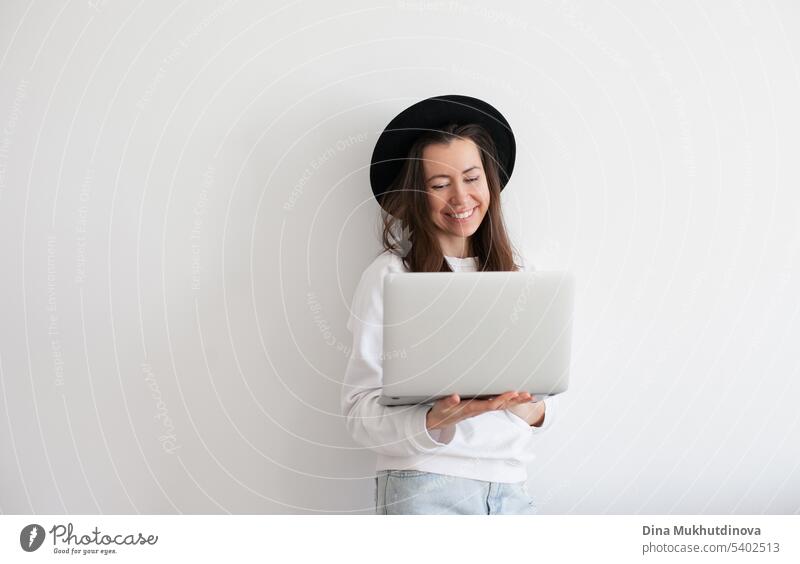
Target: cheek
(434, 201)
(437, 205)
(432, 204)
(485, 196)
(435, 211)
(485, 200)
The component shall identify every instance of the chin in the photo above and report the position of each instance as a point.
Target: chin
(461, 232)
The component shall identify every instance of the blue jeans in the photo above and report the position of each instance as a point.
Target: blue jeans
(414, 492)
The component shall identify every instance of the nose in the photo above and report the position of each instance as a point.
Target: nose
(458, 196)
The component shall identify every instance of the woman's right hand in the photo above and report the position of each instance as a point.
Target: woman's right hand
(450, 410)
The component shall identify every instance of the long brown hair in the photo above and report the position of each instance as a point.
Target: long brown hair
(405, 204)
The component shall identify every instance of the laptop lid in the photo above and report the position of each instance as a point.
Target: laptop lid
(477, 334)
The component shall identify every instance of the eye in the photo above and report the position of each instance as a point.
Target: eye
(473, 179)
(437, 186)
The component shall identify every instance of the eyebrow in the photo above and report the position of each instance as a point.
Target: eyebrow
(447, 176)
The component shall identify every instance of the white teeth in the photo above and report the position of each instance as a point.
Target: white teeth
(462, 215)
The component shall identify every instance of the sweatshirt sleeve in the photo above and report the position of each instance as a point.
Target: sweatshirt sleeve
(389, 430)
(550, 413)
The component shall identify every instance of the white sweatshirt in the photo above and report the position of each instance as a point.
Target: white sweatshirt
(495, 446)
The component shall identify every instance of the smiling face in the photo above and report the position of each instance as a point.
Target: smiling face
(455, 184)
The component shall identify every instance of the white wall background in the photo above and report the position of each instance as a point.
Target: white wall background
(185, 211)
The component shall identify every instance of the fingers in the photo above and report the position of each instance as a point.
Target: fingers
(449, 401)
(501, 401)
(450, 404)
(510, 398)
(473, 406)
(476, 407)
(525, 397)
(453, 408)
(446, 410)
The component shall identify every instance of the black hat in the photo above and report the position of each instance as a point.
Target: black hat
(394, 143)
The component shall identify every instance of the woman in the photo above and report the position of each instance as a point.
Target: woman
(438, 169)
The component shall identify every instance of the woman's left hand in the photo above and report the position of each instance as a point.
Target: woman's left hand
(531, 412)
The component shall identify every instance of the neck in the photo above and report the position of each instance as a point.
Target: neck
(458, 250)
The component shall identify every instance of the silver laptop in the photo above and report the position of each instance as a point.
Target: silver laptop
(477, 334)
